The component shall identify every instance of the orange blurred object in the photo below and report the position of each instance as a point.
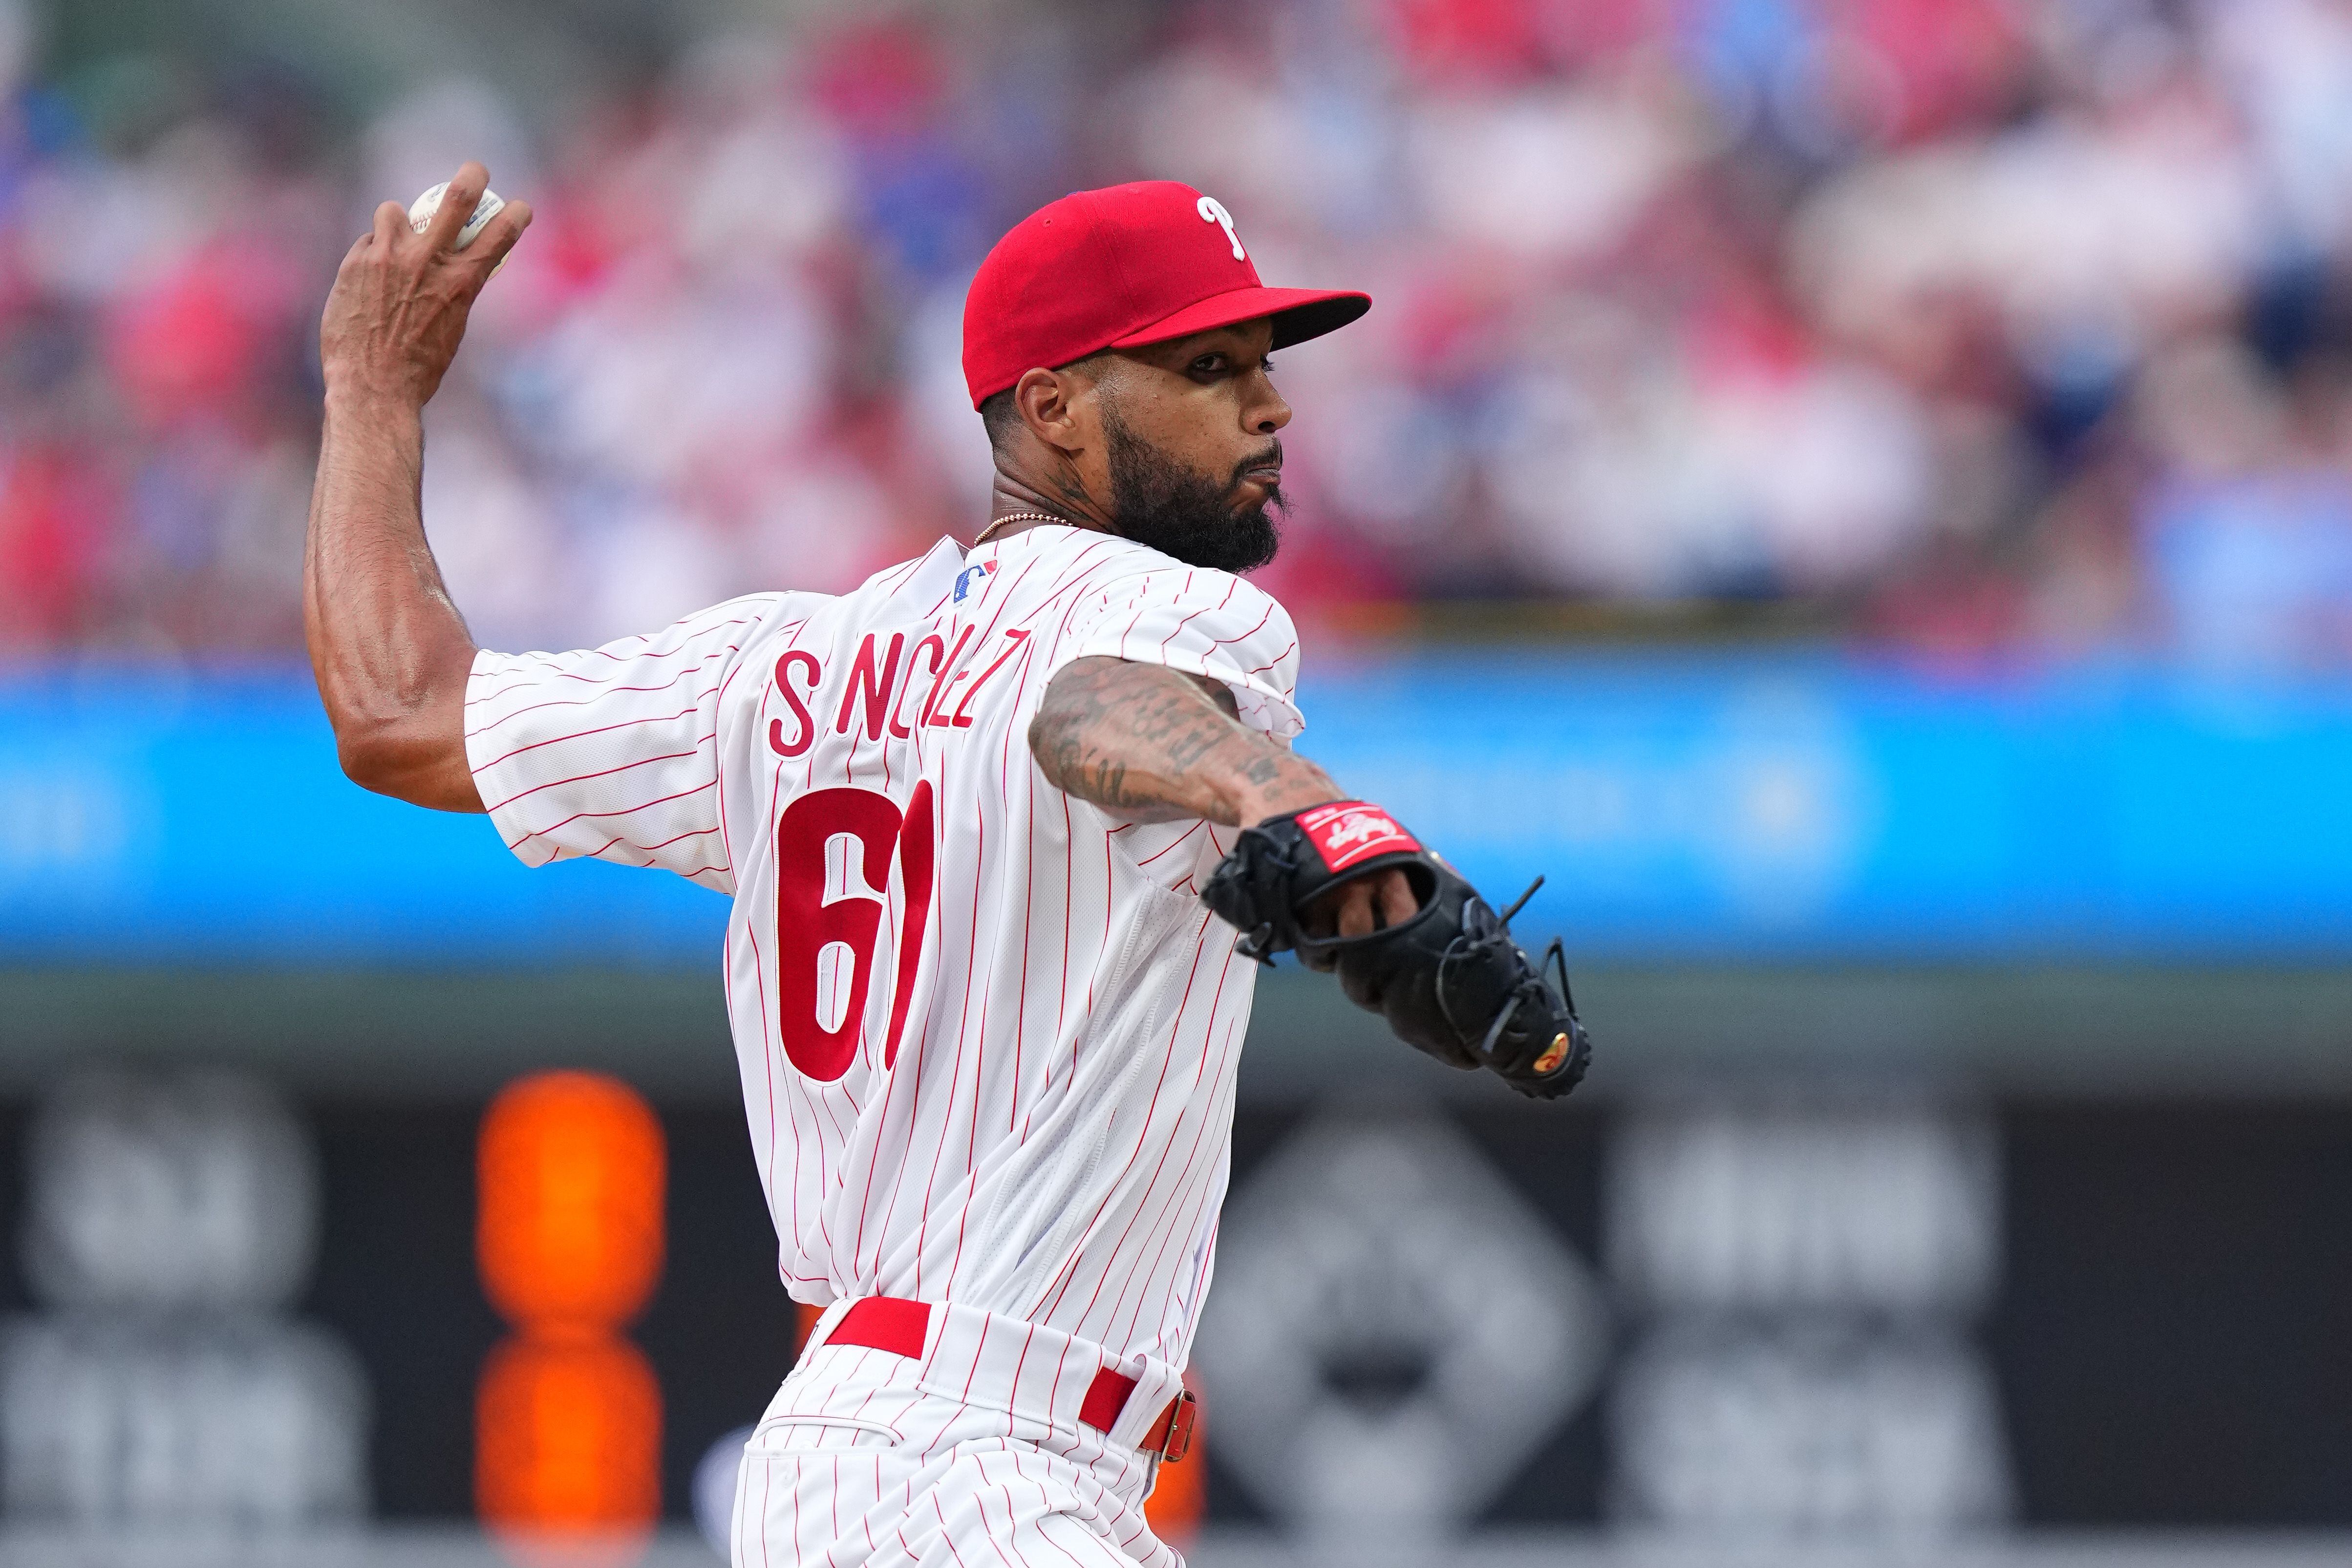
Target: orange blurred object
(567, 1449)
(804, 1322)
(571, 1170)
(1181, 1494)
(568, 1235)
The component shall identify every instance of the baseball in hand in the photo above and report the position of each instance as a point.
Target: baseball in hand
(421, 211)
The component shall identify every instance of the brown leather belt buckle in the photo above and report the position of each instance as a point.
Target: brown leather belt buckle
(1178, 1440)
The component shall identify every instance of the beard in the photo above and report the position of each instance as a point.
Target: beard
(1180, 511)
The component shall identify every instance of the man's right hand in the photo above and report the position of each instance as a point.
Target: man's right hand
(399, 305)
(391, 653)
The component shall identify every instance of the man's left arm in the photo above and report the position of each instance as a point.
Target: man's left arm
(1155, 744)
(1338, 881)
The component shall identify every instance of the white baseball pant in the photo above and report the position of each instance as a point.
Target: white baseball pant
(972, 1453)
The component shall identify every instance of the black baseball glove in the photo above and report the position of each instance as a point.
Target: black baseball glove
(1449, 979)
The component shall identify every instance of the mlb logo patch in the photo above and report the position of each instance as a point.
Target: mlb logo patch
(976, 572)
(1348, 831)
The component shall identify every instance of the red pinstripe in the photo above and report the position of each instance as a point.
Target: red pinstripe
(1174, 1338)
(1269, 664)
(1223, 972)
(1196, 614)
(1175, 1031)
(599, 774)
(1156, 854)
(624, 810)
(766, 1478)
(554, 667)
(1175, 1027)
(980, 1063)
(955, 1073)
(1270, 608)
(603, 693)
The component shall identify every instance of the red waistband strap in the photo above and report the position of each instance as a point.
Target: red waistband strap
(883, 1324)
(900, 1327)
(1106, 1398)
(1171, 1433)
(1170, 1436)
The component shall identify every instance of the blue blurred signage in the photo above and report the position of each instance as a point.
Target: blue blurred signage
(1722, 808)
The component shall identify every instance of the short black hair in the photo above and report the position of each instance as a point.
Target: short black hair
(998, 415)
(1000, 418)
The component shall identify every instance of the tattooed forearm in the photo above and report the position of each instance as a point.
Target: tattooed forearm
(1153, 744)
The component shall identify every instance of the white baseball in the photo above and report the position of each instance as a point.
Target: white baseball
(421, 211)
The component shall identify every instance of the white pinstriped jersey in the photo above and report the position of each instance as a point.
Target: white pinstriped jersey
(988, 1033)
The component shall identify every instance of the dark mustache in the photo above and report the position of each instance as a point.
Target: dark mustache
(1270, 457)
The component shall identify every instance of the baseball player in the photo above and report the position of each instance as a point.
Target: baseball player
(1005, 829)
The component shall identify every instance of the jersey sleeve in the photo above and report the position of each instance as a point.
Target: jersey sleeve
(612, 751)
(1204, 623)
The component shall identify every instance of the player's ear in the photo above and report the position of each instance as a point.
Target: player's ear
(1048, 403)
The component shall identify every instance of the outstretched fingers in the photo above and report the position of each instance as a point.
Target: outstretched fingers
(457, 204)
(391, 222)
(499, 236)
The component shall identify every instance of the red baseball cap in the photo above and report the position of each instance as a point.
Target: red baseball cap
(1119, 267)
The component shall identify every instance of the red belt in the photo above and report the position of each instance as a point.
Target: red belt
(890, 1323)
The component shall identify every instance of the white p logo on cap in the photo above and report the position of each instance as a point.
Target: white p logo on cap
(1213, 211)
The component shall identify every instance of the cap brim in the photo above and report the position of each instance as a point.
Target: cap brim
(1298, 314)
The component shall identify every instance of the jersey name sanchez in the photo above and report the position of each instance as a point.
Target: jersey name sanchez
(988, 1033)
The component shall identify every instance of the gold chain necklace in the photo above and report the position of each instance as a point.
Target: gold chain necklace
(982, 538)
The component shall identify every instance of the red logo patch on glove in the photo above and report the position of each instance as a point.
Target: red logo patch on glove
(1348, 831)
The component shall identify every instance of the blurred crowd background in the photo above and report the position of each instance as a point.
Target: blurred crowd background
(1983, 327)
(1964, 1173)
